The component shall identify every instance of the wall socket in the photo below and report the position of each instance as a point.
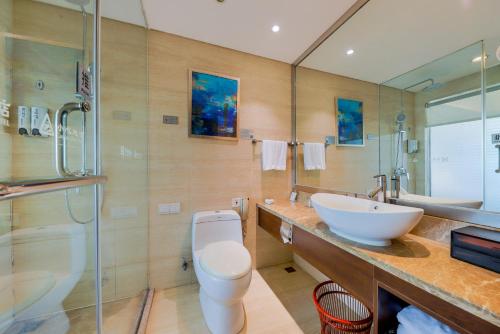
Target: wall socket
(236, 202)
(169, 208)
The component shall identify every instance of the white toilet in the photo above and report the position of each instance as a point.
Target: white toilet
(223, 267)
(50, 262)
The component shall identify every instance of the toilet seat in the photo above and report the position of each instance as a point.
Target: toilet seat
(228, 260)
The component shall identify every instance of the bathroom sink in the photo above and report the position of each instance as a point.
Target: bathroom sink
(365, 221)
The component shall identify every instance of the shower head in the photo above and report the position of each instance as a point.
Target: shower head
(79, 2)
(432, 85)
(401, 117)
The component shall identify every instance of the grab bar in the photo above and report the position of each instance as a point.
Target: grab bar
(11, 190)
(498, 169)
(61, 137)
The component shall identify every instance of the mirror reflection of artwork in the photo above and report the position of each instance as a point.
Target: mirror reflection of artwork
(350, 127)
(213, 106)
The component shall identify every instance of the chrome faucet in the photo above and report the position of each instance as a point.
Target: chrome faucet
(381, 187)
(401, 171)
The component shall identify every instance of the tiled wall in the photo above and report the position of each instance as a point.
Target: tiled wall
(204, 174)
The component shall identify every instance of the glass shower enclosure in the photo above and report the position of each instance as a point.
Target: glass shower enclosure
(73, 222)
(441, 129)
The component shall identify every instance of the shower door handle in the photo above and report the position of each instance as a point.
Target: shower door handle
(61, 136)
(498, 169)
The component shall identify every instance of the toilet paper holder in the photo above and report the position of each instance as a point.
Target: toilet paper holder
(286, 232)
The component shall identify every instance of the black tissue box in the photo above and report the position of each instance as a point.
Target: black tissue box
(480, 247)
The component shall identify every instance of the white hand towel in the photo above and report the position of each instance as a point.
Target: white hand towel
(274, 154)
(314, 156)
(414, 321)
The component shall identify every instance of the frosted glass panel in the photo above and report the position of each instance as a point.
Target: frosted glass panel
(451, 175)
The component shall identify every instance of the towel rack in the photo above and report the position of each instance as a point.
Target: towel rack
(255, 141)
(292, 143)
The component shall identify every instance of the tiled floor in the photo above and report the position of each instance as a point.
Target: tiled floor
(277, 302)
(294, 290)
(119, 317)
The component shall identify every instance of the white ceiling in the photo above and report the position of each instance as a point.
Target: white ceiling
(129, 11)
(448, 68)
(245, 25)
(392, 37)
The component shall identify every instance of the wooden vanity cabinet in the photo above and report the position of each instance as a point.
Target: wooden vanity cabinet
(355, 275)
(270, 223)
(383, 292)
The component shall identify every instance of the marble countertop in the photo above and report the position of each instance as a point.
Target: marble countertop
(422, 262)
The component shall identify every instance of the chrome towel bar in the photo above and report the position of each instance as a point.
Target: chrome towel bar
(292, 143)
(11, 190)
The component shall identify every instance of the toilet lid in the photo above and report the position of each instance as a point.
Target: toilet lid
(226, 260)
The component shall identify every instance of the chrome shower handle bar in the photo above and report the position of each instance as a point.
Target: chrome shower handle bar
(498, 147)
(61, 136)
(11, 190)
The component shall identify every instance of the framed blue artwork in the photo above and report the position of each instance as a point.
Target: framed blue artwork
(350, 124)
(213, 105)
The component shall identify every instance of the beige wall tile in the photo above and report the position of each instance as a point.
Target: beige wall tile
(204, 174)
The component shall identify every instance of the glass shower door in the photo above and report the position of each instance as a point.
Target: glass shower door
(492, 125)
(47, 227)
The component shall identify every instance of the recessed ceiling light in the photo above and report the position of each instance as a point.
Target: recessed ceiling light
(349, 52)
(275, 28)
(478, 59)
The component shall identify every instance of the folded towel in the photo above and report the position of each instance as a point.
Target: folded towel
(414, 321)
(314, 156)
(274, 154)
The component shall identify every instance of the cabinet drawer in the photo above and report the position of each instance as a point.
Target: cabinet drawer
(269, 222)
(352, 273)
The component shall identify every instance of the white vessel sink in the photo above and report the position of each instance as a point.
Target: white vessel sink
(365, 221)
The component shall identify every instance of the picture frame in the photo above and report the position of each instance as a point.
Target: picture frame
(349, 118)
(214, 101)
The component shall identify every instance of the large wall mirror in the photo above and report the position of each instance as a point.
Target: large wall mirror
(416, 100)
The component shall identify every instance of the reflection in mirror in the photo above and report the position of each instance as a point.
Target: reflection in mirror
(429, 92)
(432, 143)
(424, 139)
(349, 167)
(492, 126)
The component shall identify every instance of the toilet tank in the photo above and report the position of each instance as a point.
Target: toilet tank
(214, 226)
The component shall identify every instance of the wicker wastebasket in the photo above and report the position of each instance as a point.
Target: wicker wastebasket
(339, 312)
